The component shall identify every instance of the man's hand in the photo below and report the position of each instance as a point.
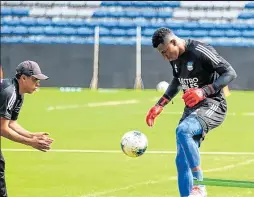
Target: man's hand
(41, 142)
(152, 114)
(193, 96)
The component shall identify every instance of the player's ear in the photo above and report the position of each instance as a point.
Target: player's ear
(173, 41)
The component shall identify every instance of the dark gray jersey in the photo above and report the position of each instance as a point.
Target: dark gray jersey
(10, 99)
(198, 66)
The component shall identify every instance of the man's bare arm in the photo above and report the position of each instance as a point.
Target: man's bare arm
(13, 124)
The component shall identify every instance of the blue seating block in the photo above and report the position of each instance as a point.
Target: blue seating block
(20, 30)
(246, 15)
(117, 32)
(28, 21)
(36, 30)
(6, 30)
(84, 31)
(11, 21)
(249, 5)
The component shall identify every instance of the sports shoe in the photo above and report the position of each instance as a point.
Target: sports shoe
(198, 191)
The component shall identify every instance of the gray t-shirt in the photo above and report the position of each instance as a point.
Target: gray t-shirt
(10, 99)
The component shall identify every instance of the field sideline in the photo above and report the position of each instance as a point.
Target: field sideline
(86, 160)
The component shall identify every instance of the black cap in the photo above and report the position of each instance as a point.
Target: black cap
(30, 68)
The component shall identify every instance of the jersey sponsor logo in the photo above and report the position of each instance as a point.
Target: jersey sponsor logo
(190, 66)
(187, 83)
(208, 54)
(11, 101)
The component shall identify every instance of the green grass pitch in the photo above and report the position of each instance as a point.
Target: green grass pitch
(77, 122)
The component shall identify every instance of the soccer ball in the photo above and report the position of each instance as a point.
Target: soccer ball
(134, 143)
(162, 86)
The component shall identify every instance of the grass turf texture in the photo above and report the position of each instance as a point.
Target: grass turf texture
(80, 127)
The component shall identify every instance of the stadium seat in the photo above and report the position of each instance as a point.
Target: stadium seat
(248, 34)
(117, 32)
(9, 21)
(67, 31)
(199, 33)
(51, 31)
(36, 30)
(216, 33)
(246, 15)
(232, 33)
(131, 32)
(6, 30)
(249, 5)
(6, 11)
(44, 22)
(19, 30)
(28, 21)
(84, 31)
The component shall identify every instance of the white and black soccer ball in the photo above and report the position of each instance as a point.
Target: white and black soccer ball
(134, 143)
(162, 86)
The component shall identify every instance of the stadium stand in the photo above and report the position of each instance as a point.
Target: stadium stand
(221, 23)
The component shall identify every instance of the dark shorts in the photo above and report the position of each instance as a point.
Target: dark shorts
(3, 190)
(210, 113)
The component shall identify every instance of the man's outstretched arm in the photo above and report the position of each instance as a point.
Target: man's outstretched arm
(169, 94)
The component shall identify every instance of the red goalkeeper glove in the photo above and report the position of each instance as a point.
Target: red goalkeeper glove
(156, 110)
(152, 114)
(193, 96)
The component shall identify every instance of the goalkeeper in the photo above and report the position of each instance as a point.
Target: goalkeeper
(202, 74)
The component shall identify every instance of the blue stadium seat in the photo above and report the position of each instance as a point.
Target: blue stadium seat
(216, 33)
(232, 33)
(100, 14)
(116, 14)
(191, 25)
(172, 4)
(60, 40)
(141, 23)
(131, 32)
(51, 31)
(28, 21)
(11, 21)
(183, 33)
(84, 31)
(104, 32)
(92, 23)
(206, 26)
(110, 24)
(67, 31)
(174, 25)
(6, 30)
(108, 3)
(132, 14)
(78, 40)
(36, 30)
(246, 15)
(199, 33)
(60, 23)
(251, 26)
(44, 22)
(12, 39)
(110, 41)
(76, 22)
(27, 40)
(140, 4)
(44, 40)
(223, 26)
(126, 24)
(249, 5)
(6, 11)
(117, 32)
(20, 30)
(123, 3)
(248, 34)
(239, 26)
(159, 24)
(148, 32)
(20, 12)
(148, 14)
(164, 14)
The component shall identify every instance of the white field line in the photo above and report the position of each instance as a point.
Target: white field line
(172, 178)
(119, 151)
(97, 104)
(126, 102)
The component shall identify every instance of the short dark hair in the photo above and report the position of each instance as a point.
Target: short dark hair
(159, 36)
